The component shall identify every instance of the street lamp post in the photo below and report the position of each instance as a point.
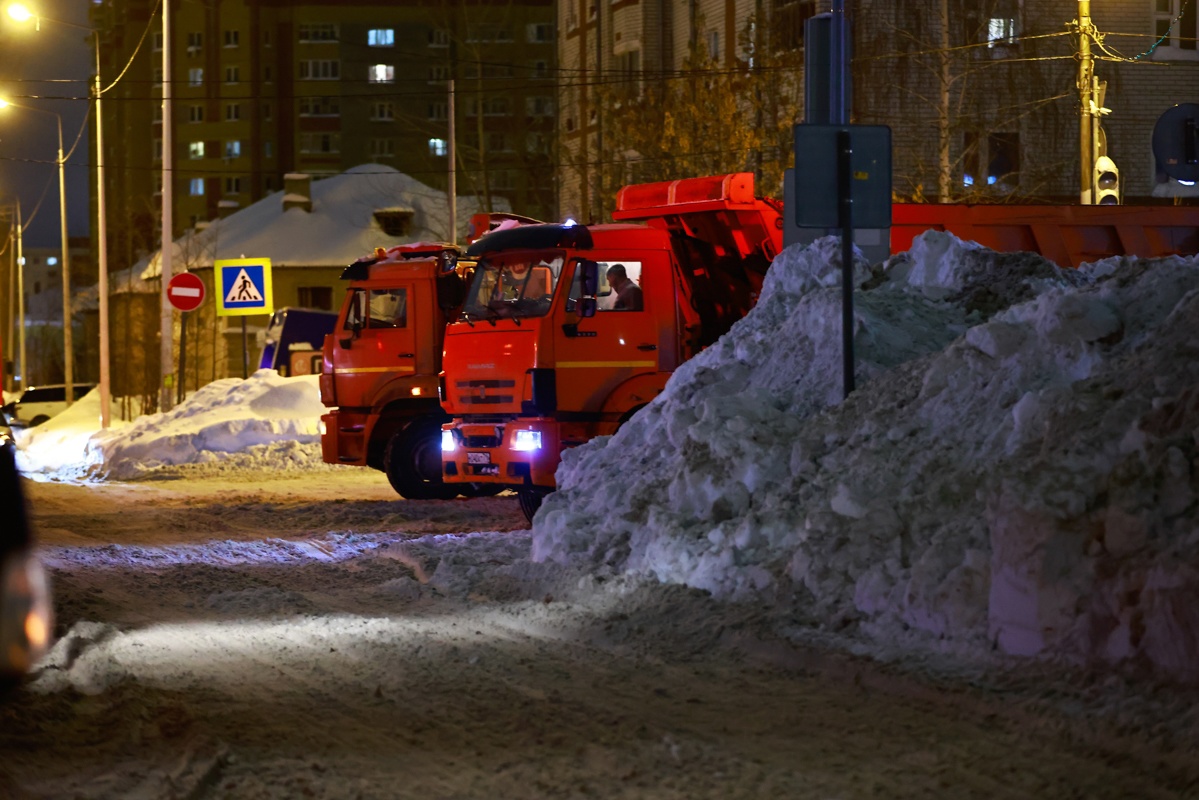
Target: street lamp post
(22, 14)
(67, 344)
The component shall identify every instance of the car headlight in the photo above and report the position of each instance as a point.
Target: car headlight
(448, 443)
(26, 618)
(524, 441)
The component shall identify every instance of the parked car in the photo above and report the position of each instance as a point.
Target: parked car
(26, 615)
(39, 403)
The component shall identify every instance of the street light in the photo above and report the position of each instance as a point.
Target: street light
(68, 359)
(20, 13)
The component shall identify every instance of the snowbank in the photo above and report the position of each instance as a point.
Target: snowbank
(266, 419)
(1016, 468)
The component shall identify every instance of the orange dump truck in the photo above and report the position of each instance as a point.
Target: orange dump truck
(380, 367)
(553, 348)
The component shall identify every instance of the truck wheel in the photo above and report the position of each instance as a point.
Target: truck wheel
(530, 501)
(480, 489)
(413, 463)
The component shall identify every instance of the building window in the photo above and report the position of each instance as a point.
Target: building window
(232, 38)
(1174, 22)
(232, 112)
(381, 37)
(540, 32)
(383, 111)
(439, 38)
(503, 179)
(157, 41)
(382, 148)
(156, 114)
(320, 143)
(381, 73)
(266, 38)
(268, 149)
(195, 150)
(232, 185)
(318, 297)
(195, 187)
(492, 107)
(438, 73)
(1002, 157)
(195, 76)
(268, 74)
(232, 148)
(714, 45)
(394, 222)
(541, 69)
(320, 70)
(438, 111)
(194, 113)
(267, 112)
(438, 147)
(232, 74)
(318, 32)
(195, 41)
(539, 106)
(157, 149)
(497, 142)
(320, 107)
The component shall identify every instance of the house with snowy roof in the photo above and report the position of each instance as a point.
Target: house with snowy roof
(310, 231)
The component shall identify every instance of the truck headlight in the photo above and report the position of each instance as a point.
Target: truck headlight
(321, 428)
(448, 442)
(524, 441)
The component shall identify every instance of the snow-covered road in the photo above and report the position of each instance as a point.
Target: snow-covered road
(266, 636)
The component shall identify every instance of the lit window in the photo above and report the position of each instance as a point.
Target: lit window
(232, 148)
(195, 150)
(381, 37)
(438, 147)
(195, 76)
(381, 73)
(195, 187)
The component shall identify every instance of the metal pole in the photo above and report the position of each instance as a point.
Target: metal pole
(102, 255)
(452, 177)
(166, 350)
(10, 335)
(21, 294)
(845, 201)
(1085, 120)
(68, 355)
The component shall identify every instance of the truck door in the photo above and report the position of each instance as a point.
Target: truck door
(374, 343)
(598, 355)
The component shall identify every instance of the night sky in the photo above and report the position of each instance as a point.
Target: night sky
(46, 69)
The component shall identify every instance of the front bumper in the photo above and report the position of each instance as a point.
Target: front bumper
(502, 453)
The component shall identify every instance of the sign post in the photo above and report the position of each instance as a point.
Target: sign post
(185, 291)
(243, 287)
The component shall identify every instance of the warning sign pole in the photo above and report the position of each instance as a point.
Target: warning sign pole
(245, 351)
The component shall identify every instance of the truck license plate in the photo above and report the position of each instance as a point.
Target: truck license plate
(478, 458)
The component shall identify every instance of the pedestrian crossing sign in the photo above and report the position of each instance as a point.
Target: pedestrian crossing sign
(243, 287)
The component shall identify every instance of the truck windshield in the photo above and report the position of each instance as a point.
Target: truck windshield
(513, 285)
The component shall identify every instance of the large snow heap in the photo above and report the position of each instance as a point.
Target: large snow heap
(1016, 468)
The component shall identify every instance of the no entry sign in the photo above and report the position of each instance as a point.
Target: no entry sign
(185, 291)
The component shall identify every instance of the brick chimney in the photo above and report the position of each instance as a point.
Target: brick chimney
(297, 191)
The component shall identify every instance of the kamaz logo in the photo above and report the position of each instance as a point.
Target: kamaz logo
(480, 366)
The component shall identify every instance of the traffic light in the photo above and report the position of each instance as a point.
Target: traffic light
(1107, 182)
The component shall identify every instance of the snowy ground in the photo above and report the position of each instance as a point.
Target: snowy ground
(976, 578)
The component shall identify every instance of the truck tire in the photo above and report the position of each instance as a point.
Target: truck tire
(530, 501)
(412, 463)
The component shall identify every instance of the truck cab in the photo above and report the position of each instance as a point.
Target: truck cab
(544, 357)
(380, 366)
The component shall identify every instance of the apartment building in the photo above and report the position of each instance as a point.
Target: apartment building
(982, 97)
(262, 88)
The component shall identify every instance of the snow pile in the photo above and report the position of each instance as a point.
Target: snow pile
(1017, 466)
(266, 419)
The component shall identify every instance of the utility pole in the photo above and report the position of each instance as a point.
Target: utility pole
(452, 176)
(1086, 120)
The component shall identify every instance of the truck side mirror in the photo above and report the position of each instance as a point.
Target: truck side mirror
(586, 307)
(590, 277)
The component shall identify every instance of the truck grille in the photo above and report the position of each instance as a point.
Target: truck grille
(482, 441)
(485, 392)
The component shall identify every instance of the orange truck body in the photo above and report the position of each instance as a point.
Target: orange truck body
(380, 366)
(1066, 235)
(528, 375)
